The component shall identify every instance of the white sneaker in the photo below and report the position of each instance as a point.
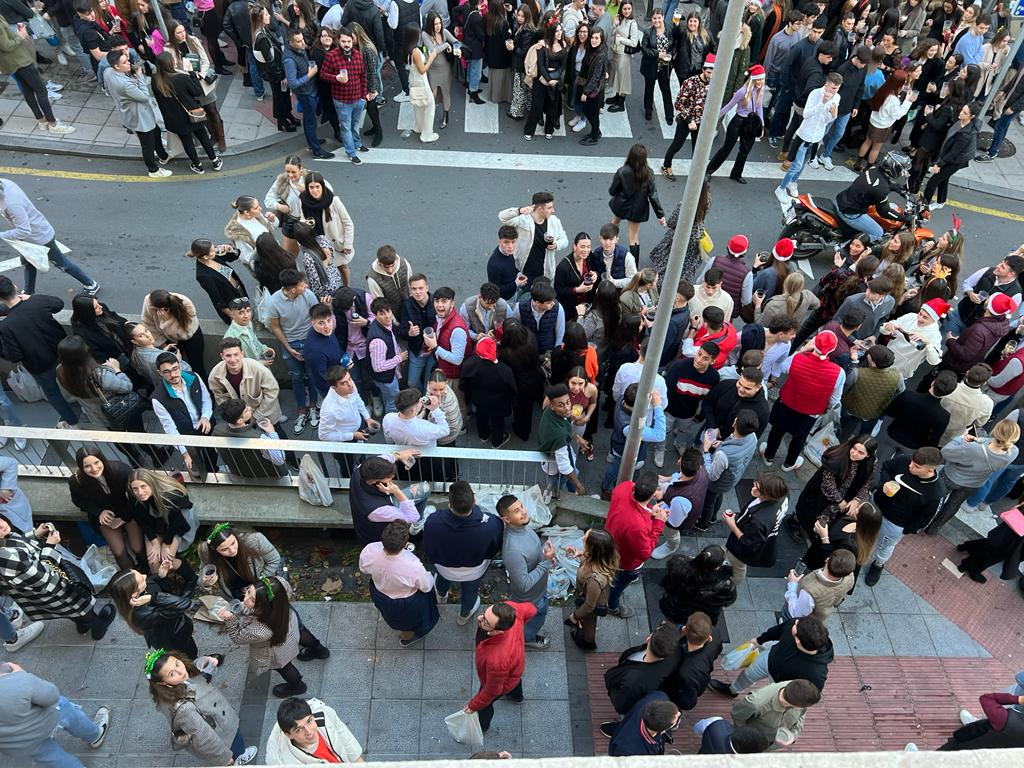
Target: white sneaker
(936, 206)
(160, 173)
(826, 163)
(25, 636)
(580, 126)
(796, 465)
(464, 620)
(247, 757)
(60, 129)
(761, 450)
(662, 551)
(417, 526)
(314, 417)
(102, 719)
(62, 59)
(792, 189)
(20, 443)
(659, 457)
(54, 96)
(814, 163)
(52, 86)
(300, 424)
(401, 98)
(782, 196)
(966, 717)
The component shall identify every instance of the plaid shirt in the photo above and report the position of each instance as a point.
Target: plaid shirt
(355, 89)
(691, 97)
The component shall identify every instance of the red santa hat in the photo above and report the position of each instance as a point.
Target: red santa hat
(709, 61)
(738, 245)
(825, 343)
(756, 72)
(487, 349)
(1001, 304)
(783, 250)
(937, 308)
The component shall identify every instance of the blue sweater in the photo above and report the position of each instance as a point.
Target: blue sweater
(462, 542)
(320, 353)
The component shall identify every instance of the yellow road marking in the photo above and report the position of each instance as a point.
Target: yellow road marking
(987, 211)
(13, 170)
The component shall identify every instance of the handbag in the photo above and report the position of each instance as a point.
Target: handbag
(196, 115)
(210, 77)
(73, 578)
(122, 409)
(707, 245)
(419, 95)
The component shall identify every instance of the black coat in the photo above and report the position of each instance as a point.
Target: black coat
(88, 495)
(105, 341)
(693, 673)
(30, 334)
(629, 681)
(217, 286)
(649, 51)
(164, 621)
(185, 95)
(936, 126)
(960, 148)
(680, 598)
(154, 527)
(473, 36)
(496, 55)
(813, 502)
(629, 201)
(760, 527)
(490, 387)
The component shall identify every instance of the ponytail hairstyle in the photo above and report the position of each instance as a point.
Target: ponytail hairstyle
(1005, 434)
(244, 203)
(792, 289)
(172, 302)
(199, 249)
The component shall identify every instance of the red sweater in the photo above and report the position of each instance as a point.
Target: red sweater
(809, 385)
(631, 527)
(501, 659)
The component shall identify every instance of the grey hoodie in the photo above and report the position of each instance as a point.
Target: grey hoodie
(28, 711)
(528, 569)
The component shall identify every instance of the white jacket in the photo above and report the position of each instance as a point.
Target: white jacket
(281, 750)
(892, 109)
(525, 224)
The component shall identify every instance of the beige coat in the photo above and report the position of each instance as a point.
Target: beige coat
(259, 389)
(166, 329)
(827, 594)
(341, 232)
(701, 300)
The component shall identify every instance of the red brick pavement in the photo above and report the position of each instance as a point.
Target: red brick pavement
(910, 699)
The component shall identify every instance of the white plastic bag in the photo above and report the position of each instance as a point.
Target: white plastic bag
(313, 487)
(740, 657)
(465, 729)
(24, 385)
(263, 307)
(819, 442)
(540, 513)
(97, 568)
(559, 584)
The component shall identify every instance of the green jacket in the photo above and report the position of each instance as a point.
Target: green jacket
(15, 53)
(762, 711)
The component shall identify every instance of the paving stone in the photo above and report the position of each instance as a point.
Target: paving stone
(554, 626)
(866, 634)
(65, 666)
(83, 134)
(908, 634)
(544, 728)
(545, 677)
(612, 634)
(861, 601)
(448, 635)
(435, 740)
(949, 639)
(64, 632)
(85, 115)
(744, 625)
(837, 634)
(925, 607)
(766, 594)
(388, 638)
(744, 600)
(893, 596)
(150, 734)
(113, 674)
(389, 717)
(397, 675)
(449, 674)
(353, 625)
(507, 726)
(355, 713)
(348, 673)
(316, 617)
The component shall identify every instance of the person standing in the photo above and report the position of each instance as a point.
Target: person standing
(725, 468)
(541, 235)
(591, 93)
(133, 100)
(598, 563)
(753, 532)
(500, 657)
(248, 380)
(955, 154)
(299, 71)
(18, 60)
(343, 69)
(386, 357)
(460, 541)
(635, 527)
(646, 728)
(1009, 103)
(183, 406)
(641, 670)
(450, 340)
(776, 712)
(689, 107)
(29, 230)
(32, 710)
(746, 126)
(289, 320)
(528, 564)
(417, 313)
(489, 385)
(634, 194)
(401, 588)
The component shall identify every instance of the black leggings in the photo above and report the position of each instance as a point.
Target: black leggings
(682, 132)
(152, 148)
(662, 79)
(282, 100)
(742, 130)
(188, 142)
(34, 90)
(290, 673)
(940, 182)
(591, 109)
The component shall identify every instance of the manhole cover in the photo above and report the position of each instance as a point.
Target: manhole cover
(1007, 149)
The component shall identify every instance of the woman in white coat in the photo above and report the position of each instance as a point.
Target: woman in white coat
(625, 34)
(421, 95)
(325, 212)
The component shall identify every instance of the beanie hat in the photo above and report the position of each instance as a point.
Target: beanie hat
(937, 308)
(783, 250)
(756, 72)
(1001, 304)
(487, 348)
(825, 343)
(709, 62)
(738, 245)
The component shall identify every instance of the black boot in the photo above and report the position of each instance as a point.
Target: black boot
(444, 120)
(102, 622)
(635, 250)
(474, 96)
(874, 574)
(310, 652)
(284, 690)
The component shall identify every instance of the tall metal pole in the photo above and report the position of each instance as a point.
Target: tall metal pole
(998, 82)
(691, 195)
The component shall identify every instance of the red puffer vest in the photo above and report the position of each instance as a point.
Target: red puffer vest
(734, 271)
(1014, 384)
(444, 335)
(810, 384)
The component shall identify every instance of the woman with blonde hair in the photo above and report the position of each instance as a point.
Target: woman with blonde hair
(746, 126)
(190, 56)
(164, 513)
(795, 302)
(898, 277)
(284, 198)
(374, 85)
(640, 293)
(598, 563)
(625, 41)
(968, 463)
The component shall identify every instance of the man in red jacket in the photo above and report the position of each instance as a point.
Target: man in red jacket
(500, 657)
(634, 526)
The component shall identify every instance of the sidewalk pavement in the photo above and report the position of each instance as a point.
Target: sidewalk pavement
(1003, 177)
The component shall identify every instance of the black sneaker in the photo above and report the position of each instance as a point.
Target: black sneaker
(217, 163)
(984, 158)
(608, 727)
(284, 690)
(355, 160)
(196, 168)
(504, 440)
(874, 574)
(311, 652)
(723, 688)
(363, 148)
(322, 155)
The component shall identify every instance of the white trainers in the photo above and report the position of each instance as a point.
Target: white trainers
(761, 450)
(814, 163)
(20, 443)
(25, 636)
(52, 86)
(464, 620)
(61, 59)
(966, 717)
(659, 457)
(401, 98)
(782, 196)
(796, 465)
(300, 424)
(314, 417)
(580, 126)
(60, 129)
(792, 190)
(663, 550)
(102, 719)
(247, 757)
(826, 163)
(160, 173)
(936, 206)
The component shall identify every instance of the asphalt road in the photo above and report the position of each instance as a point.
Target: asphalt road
(132, 236)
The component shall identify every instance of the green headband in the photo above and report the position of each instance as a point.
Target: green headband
(267, 587)
(151, 659)
(218, 528)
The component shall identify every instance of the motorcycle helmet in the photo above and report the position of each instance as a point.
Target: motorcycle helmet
(895, 166)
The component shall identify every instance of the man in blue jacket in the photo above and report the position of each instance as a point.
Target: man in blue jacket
(460, 541)
(301, 74)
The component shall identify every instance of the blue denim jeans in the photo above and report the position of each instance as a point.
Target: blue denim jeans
(834, 135)
(750, 675)
(73, 720)
(307, 101)
(862, 223)
(47, 381)
(534, 625)
(302, 387)
(350, 117)
(388, 391)
(254, 73)
(953, 323)
(8, 634)
(237, 745)
(7, 411)
(61, 262)
(473, 72)
(888, 537)
(420, 367)
(468, 591)
(620, 581)
(798, 165)
(1003, 124)
(997, 486)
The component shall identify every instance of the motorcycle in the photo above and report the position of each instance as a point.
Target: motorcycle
(816, 227)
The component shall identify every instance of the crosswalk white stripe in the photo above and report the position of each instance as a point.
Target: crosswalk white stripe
(7, 266)
(667, 131)
(481, 118)
(615, 125)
